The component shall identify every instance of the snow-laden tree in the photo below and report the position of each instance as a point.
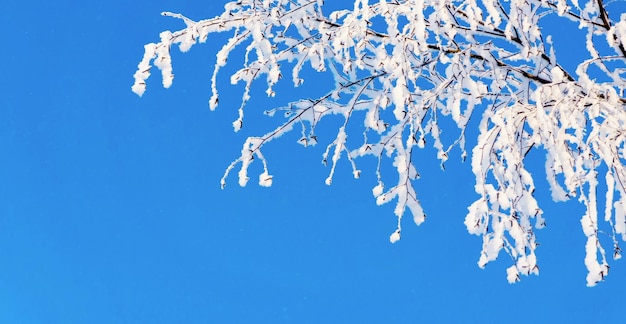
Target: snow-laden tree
(401, 66)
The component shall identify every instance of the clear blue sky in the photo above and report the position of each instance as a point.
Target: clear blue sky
(111, 211)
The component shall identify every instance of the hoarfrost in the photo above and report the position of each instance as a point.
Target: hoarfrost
(462, 60)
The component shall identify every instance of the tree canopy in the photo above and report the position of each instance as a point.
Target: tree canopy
(403, 70)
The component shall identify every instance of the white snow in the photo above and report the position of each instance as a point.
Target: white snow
(470, 63)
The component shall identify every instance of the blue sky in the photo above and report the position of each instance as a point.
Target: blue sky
(111, 210)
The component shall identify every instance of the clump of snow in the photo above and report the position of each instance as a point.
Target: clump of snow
(395, 237)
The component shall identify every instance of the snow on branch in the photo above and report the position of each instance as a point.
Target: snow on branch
(405, 65)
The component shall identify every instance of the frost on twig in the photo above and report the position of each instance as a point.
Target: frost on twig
(401, 66)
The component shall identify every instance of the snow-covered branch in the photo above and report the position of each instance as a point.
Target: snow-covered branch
(405, 64)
